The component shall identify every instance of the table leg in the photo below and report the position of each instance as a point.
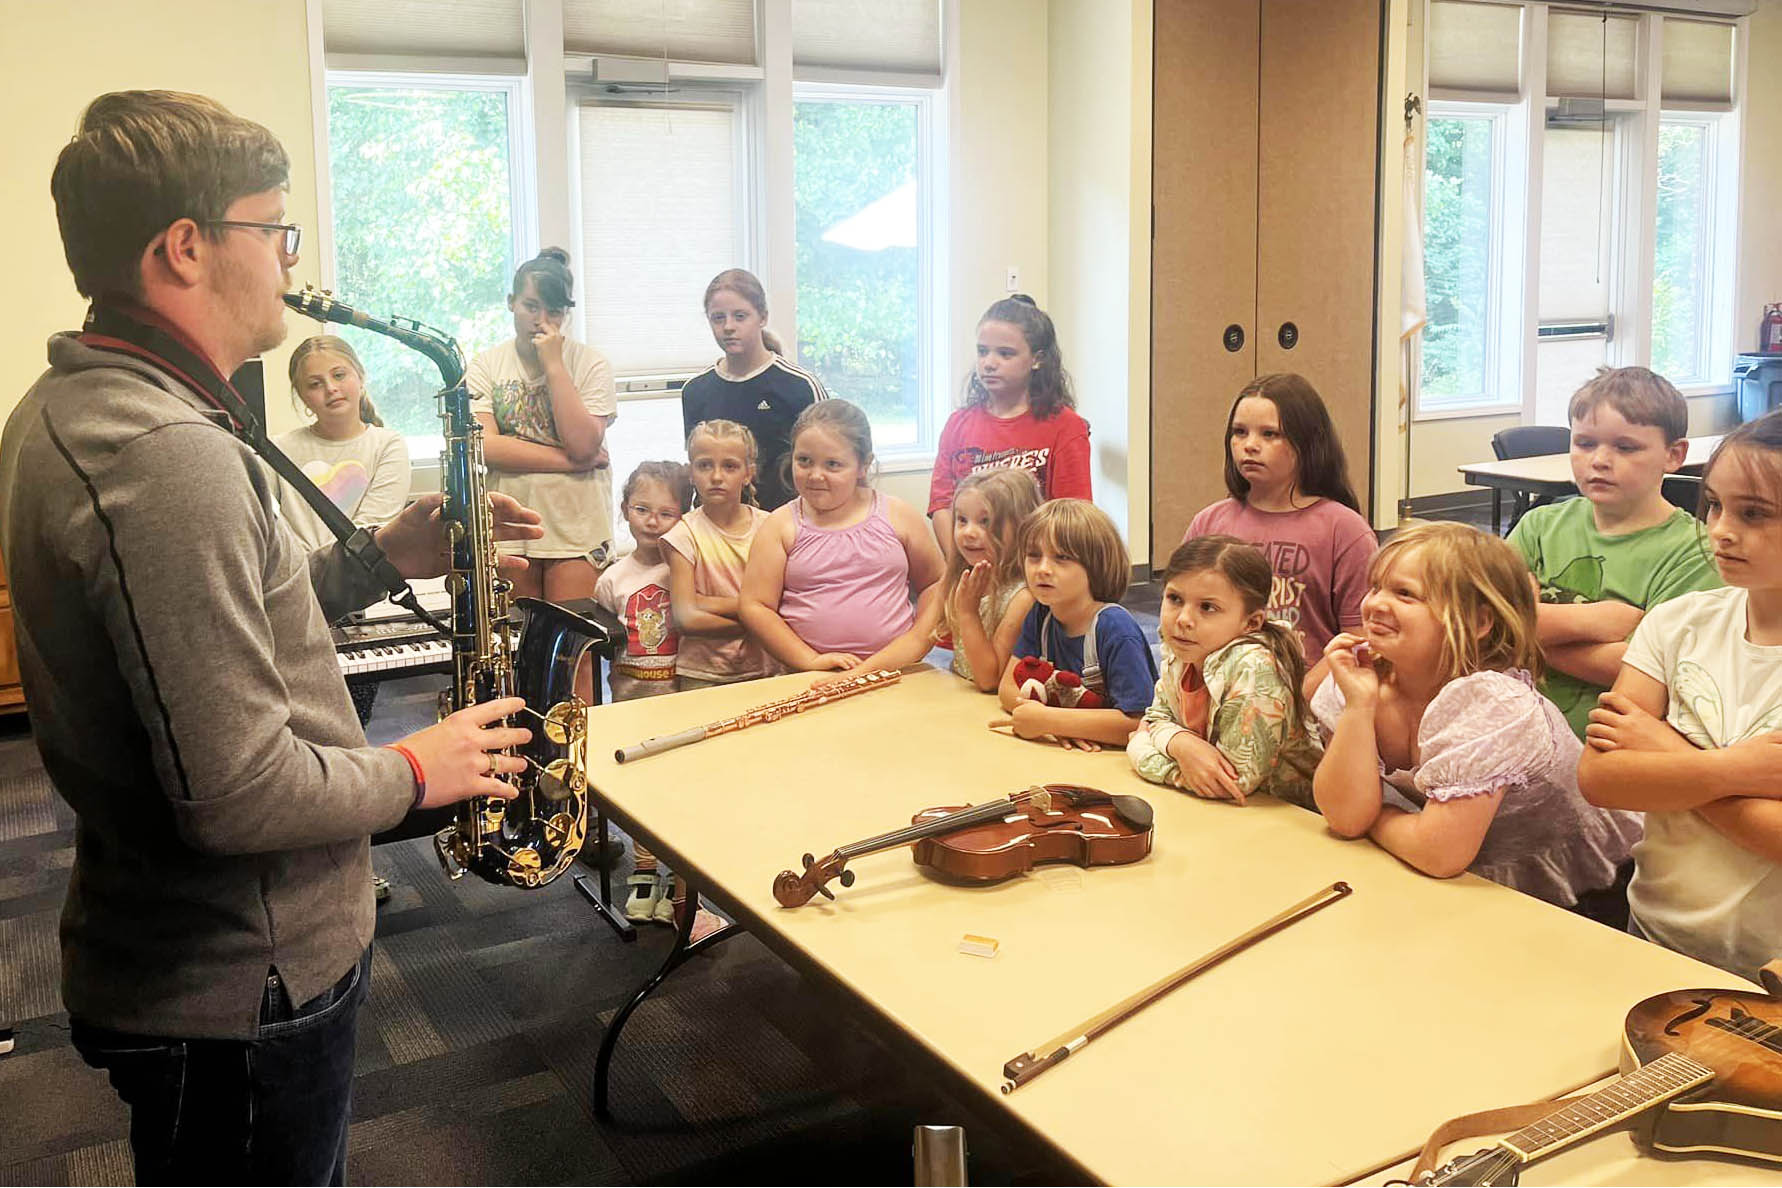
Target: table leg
(683, 949)
(602, 900)
(1497, 511)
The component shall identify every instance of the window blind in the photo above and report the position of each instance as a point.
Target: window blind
(1698, 62)
(884, 35)
(659, 220)
(425, 28)
(1475, 47)
(1590, 56)
(679, 30)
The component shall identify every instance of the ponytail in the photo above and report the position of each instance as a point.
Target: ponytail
(368, 412)
(1289, 652)
(771, 341)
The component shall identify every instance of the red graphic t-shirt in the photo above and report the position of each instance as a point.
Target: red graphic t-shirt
(1055, 451)
(638, 595)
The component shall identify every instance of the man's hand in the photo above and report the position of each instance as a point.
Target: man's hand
(458, 754)
(415, 541)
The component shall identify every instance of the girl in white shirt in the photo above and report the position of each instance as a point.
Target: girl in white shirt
(361, 466)
(1692, 731)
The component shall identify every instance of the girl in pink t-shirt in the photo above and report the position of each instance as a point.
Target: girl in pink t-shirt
(829, 580)
(707, 553)
(1019, 412)
(1291, 497)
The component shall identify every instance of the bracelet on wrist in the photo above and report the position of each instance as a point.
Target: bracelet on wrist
(414, 765)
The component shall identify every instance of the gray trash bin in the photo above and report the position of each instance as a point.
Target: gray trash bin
(1759, 377)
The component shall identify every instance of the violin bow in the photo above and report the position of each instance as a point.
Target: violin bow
(1055, 1051)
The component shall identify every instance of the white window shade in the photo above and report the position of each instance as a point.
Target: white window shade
(659, 220)
(1698, 62)
(902, 36)
(1475, 47)
(679, 30)
(425, 28)
(1590, 56)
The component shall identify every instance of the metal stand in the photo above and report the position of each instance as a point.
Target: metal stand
(602, 900)
(940, 1156)
(683, 949)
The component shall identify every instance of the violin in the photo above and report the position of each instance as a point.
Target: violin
(985, 843)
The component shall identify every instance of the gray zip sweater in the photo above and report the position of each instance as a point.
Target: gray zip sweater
(185, 697)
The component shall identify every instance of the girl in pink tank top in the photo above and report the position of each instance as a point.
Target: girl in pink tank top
(830, 578)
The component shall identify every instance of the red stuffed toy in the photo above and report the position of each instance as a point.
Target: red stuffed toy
(1037, 680)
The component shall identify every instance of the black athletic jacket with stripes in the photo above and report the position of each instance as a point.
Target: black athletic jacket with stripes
(185, 697)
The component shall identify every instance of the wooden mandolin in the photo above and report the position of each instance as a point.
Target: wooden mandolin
(1711, 1058)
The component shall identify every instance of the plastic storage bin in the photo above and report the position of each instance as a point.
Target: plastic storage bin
(1759, 378)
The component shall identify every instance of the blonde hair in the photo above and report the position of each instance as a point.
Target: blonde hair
(1470, 580)
(1012, 496)
(1243, 565)
(329, 344)
(850, 425)
(1078, 530)
(719, 429)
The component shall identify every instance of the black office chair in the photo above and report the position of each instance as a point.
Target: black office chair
(1684, 491)
(1529, 441)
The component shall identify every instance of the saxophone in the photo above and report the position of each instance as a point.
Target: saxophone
(530, 840)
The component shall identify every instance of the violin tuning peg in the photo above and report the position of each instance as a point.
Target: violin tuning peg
(825, 892)
(846, 877)
(809, 862)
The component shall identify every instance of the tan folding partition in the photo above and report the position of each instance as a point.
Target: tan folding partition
(1266, 117)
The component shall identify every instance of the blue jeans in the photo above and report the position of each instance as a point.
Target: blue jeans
(270, 1110)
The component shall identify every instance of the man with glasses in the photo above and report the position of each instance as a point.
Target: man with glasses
(183, 687)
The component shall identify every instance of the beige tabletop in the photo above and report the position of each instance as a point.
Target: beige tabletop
(1326, 1052)
(1611, 1158)
(1557, 468)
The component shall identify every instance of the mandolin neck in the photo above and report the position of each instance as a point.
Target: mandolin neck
(1669, 1076)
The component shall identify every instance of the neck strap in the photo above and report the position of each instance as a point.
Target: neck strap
(129, 329)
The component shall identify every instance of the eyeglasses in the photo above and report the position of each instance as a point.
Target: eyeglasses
(293, 233)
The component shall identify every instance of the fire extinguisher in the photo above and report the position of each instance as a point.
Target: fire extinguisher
(1769, 334)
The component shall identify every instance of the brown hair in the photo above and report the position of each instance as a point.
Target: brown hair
(1012, 496)
(1758, 444)
(1470, 578)
(1305, 421)
(746, 285)
(329, 344)
(1048, 388)
(672, 475)
(1639, 394)
(1243, 565)
(143, 160)
(1082, 532)
(551, 278)
(846, 421)
(719, 429)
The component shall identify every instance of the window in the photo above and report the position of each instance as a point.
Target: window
(1681, 303)
(663, 209)
(424, 171)
(860, 247)
(1461, 167)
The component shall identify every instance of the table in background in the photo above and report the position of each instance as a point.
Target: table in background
(1327, 1052)
(1547, 476)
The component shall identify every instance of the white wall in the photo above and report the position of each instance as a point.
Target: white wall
(253, 58)
(1098, 137)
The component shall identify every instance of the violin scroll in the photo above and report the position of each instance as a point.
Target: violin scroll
(795, 890)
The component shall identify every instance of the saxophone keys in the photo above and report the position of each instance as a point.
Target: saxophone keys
(565, 721)
(560, 778)
(562, 829)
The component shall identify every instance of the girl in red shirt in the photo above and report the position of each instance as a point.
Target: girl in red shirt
(1019, 412)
